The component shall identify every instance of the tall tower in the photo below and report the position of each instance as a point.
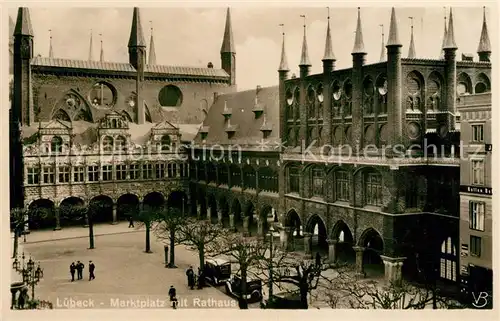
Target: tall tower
(358, 60)
(484, 48)
(137, 58)
(22, 105)
(328, 66)
(227, 50)
(304, 67)
(394, 83)
(450, 53)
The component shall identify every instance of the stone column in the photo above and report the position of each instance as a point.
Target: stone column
(231, 222)
(359, 260)
(260, 227)
(208, 214)
(57, 215)
(246, 220)
(307, 243)
(291, 239)
(219, 217)
(284, 233)
(392, 268)
(198, 211)
(115, 218)
(332, 250)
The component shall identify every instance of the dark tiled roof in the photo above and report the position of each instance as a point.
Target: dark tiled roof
(248, 128)
(126, 67)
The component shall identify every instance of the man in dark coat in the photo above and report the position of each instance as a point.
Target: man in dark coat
(190, 276)
(91, 271)
(130, 221)
(72, 270)
(172, 293)
(201, 279)
(79, 269)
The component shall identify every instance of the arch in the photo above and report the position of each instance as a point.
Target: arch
(448, 260)
(170, 96)
(292, 219)
(434, 82)
(102, 94)
(61, 114)
(345, 241)
(107, 144)
(126, 205)
(311, 94)
(41, 214)
(165, 142)
(101, 209)
(464, 84)
(368, 86)
(268, 216)
(72, 211)
(154, 200)
(212, 208)
(317, 227)
(347, 88)
(126, 116)
(320, 92)
(336, 90)
(381, 84)
(178, 199)
(482, 84)
(414, 82)
(84, 114)
(370, 238)
(121, 143)
(56, 144)
(373, 244)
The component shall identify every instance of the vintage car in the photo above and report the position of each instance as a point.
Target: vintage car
(217, 270)
(253, 291)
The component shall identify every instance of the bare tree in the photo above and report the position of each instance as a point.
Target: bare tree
(199, 236)
(170, 219)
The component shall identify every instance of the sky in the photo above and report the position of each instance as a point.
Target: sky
(187, 36)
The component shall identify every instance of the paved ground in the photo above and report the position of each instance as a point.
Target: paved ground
(125, 275)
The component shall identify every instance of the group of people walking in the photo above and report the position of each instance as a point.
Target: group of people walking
(195, 279)
(78, 268)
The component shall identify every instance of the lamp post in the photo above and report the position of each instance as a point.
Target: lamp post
(31, 274)
(271, 237)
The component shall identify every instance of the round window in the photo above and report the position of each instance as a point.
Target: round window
(102, 95)
(480, 88)
(170, 96)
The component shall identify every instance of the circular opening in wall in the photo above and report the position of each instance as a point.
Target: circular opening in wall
(348, 89)
(480, 88)
(337, 92)
(289, 97)
(170, 96)
(102, 95)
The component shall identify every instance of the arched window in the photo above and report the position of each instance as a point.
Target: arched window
(373, 191)
(121, 143)
(107, 144)
(448, 268)
(318, 180)
(165, 142)
(56, 144)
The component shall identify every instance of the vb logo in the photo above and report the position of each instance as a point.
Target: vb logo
(480, 300)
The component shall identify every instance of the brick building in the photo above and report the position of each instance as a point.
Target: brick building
(98, 130)
(342, 189)
(476, 221)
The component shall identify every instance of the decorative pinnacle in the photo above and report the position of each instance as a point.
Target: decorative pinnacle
(450, 35)
(411, 50)
(284, 61)
(382, 50)
(484, 41)
(304, 58)
(51, 52)
(393, 31)
(359, 46)
(328, 43)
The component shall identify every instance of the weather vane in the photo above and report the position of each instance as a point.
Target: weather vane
(328, 8)
(282, 25)
(411, 18)
(304, 16)
(382, 29)
(151, 23)
(50, 33)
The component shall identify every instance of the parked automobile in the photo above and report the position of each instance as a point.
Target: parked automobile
(217, 270)
(253, 291)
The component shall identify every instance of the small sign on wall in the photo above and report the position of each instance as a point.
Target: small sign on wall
(464, 250)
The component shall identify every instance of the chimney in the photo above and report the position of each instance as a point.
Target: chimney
(210, 65)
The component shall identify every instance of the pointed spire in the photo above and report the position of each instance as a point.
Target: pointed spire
(23, 23)
(393, 31)
(284, 61)
(359, 46)
(328, 45)
(228, 42)
(382, 50)
(449, 42)
(441, 56)
(136, 35)
(91, 57)
(484, 41)
(411, 50)
(101, 57)
(152, 51)
(51, 51)
(304, 56)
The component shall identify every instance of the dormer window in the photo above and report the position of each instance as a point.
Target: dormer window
(165, 142)
(121, 143)
(107, 144)
(56, 144)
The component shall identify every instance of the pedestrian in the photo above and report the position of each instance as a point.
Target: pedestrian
(130, 221)
(172, 292)
(318, 259)
(91, 271)
(190, 276)
(201, 279)
(23, 297)
(72, 269)
(79, 269)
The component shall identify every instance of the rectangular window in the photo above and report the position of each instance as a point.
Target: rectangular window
(33, 175)
(293, 174)
(93, 173)
(373, 189)
(342, 188)
(147, 171)
(64, 174)
(121, 172)
(317, 182)
(475, 245)
(182, 170)
(48, 175)
(174, 170)
(478, 133)
(477, 172)
(78, 174)
(134, 171)
(160, 170)
(107, 172)
(476, 216)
